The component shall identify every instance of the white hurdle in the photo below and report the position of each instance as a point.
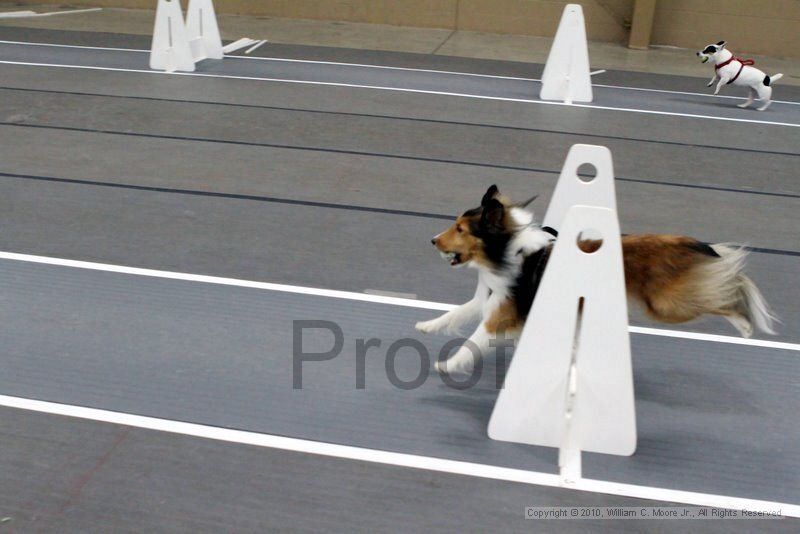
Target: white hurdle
(566, 74)
(571, 189)
(170, 49)
(202, 30)
(570, 383)
(176, 45)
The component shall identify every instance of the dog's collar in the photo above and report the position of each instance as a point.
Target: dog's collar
(551, 231)
(744, 62)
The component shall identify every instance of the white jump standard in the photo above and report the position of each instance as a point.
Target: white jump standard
(176, 45)
(566, 75)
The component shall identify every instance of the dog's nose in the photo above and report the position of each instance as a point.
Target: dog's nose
(433, 241)
(698, 53)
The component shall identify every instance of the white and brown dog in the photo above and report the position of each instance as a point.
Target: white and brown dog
(731, 69)
(675, 278)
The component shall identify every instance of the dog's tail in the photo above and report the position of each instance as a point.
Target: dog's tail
(740, 292)
(769, 80)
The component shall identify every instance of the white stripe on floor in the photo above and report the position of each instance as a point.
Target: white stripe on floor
(409, 69)
(350, 295)
(440, 465)
(406, 90)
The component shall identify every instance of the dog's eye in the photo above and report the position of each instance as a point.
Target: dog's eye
(459, 229)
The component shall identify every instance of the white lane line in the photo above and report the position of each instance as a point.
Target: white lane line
(31, 14)
(350, 295)
(385, 293)
(409, 69)
(405, 90)
(304, 61)
(668, 91)
(25, 43)
(413, 461)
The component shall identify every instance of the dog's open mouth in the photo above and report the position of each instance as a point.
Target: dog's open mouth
(454, 258)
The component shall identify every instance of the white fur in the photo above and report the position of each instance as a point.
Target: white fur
(493, 289)
(750, 77)
(732, 284)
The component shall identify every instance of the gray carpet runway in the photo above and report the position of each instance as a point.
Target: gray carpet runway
(341, 187)
(483, 86)
(223, 356)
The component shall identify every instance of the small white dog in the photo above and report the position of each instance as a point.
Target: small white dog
(731, 69)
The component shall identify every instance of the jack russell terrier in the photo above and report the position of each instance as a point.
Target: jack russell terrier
(731, 69)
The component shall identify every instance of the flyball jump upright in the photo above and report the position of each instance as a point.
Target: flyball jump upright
(176, 45)
(566, 75)
(570, 384)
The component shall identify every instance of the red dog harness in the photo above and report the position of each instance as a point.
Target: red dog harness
(740, 60)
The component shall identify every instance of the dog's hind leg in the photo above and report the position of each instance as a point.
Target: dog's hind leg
(750, 97)
(765, 95)
(741, 323)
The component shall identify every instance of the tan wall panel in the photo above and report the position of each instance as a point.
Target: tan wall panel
(776, 36)
(426, 13)
(540, 17)
(605, 18)
(752, 8)
(770, 27)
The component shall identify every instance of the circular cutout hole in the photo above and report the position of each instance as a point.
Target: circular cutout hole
(587, 172)
(590, 241)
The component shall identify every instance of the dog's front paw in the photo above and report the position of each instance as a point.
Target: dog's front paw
(428, 327)
(460, 363)
(710, 84)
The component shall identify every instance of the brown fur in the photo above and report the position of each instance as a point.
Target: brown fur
(675, 278)
(504, 318)
(663, 272)
(459, 239)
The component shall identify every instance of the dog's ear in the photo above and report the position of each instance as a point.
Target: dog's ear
(721, 44)
(525, 203)
(490, 194)
(492, 216)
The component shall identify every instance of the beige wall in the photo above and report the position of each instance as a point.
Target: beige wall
(770, 27)
(528, 17)
(606, 20)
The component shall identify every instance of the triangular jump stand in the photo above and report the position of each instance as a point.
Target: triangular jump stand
(571, 189)
(176, 45)
(170, 49)
(570, 383)
(566, 74)
(202, 30)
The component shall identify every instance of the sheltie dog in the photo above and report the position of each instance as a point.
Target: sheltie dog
(675, 278)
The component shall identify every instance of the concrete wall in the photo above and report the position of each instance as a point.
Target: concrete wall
(606, 18)
(770, 27)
